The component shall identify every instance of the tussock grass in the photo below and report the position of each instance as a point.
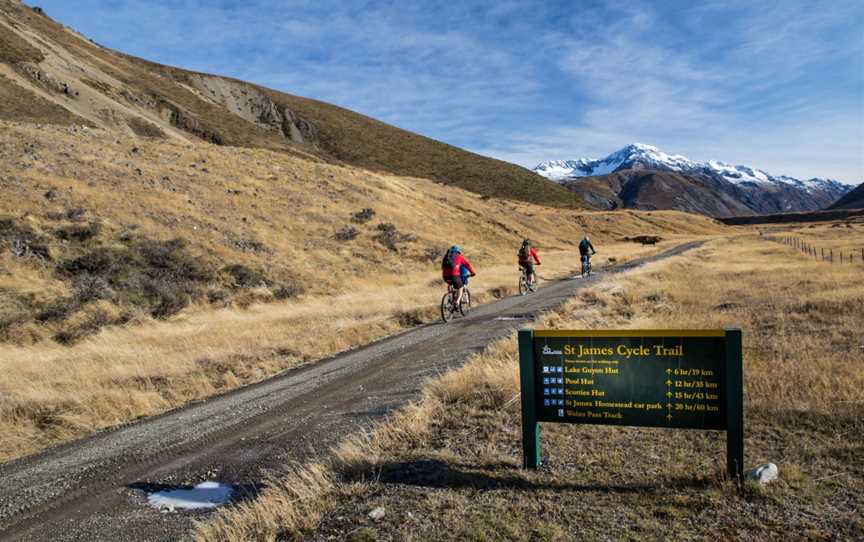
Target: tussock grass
(447, 468)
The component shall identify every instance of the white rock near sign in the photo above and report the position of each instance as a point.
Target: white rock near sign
(763, 474)
(377, 514)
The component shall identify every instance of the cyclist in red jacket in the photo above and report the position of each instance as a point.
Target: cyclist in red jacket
(527, 258)
(451, 270)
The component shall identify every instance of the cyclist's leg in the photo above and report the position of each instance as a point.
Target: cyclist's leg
(457, 284)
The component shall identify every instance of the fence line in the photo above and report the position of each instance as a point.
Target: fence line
(818, 253)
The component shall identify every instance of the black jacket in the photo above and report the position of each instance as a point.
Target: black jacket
(584, 246)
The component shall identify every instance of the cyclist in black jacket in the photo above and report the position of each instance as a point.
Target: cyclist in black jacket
(584, 246)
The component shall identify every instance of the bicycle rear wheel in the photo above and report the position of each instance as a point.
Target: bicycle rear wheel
(446, 308)
(523, 284)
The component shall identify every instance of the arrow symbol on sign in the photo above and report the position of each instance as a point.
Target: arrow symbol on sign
(668, 394)
(669, 371)
(669, 405)
(669, 416)
(668, 382)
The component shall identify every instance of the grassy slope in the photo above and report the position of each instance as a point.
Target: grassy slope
(276, 215)
(448, 467)
(127, 85)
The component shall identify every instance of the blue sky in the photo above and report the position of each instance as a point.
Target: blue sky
(772, 84)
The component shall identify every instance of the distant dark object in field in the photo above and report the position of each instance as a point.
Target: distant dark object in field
(363, 216)
(728, 306)
(347, 233)
(389, 236)
(644, 239)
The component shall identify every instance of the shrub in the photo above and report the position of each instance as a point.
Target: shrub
(363, 216)
(59, 309)
(244, 277)
(644, 239)
(74, 213)
(102, 262)
(170, 258)
(23, 241)
(389, 236)
(79, 233)
(347, 233)
(159, 276)
(287, 291)
(217, 296)
(168, 302)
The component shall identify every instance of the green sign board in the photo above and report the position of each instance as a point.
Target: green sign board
(672, 379)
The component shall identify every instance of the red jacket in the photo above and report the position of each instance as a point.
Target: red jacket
(455, 271)
(532, 253)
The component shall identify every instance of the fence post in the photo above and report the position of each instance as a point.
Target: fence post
(832, 255)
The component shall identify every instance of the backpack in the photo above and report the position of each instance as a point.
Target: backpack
(525, 252)
(449, 261)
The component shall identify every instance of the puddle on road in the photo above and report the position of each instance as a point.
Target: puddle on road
(515, 317)
(208, 494)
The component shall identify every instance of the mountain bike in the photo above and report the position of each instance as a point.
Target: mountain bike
(586, 265)
(448, 303)
(525, 285)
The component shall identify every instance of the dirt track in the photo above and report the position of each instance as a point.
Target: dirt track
(95, 488)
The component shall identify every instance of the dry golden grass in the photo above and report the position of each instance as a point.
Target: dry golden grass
(832, 238)
(447, 468)
(292, 207)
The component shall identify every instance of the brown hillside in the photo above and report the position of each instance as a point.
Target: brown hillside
(77, 81)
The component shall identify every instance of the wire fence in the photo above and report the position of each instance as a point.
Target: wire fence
(849, 255)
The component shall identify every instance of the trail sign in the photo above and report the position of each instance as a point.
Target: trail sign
(680, 379)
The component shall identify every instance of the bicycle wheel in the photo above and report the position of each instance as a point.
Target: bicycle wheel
(523, 284)
(446, 308)
(465, 304)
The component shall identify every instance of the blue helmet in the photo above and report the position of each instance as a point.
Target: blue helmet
(455, 248)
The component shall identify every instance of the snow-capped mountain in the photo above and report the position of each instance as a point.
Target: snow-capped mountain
(641, 156)
(755, 189)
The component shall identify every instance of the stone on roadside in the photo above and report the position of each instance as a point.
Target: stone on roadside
(377, 514)
(763, 474)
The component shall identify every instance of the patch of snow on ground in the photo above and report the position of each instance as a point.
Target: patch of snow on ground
(204, 495)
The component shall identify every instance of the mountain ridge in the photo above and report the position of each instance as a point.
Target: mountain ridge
(755, 190)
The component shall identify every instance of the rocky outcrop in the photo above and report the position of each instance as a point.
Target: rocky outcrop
(254, 106)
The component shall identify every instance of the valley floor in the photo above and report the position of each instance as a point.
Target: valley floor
(448, 467)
